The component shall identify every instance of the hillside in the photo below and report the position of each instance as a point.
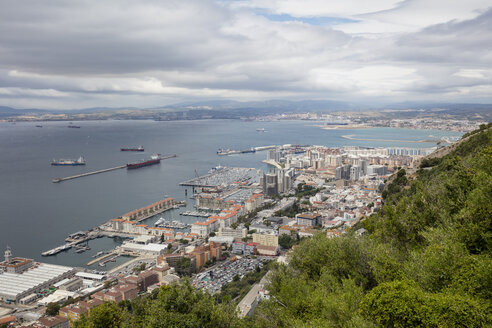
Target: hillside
(426, 261)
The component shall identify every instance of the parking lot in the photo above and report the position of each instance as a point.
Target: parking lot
(213, 279)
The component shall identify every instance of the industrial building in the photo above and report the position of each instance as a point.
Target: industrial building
(151, 249)
(35, 277)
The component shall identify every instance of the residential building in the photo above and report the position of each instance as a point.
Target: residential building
(265, 239)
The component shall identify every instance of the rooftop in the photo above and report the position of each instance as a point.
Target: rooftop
(13, 284)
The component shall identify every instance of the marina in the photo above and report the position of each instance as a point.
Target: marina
(223, 177)
(171, 224)
(197, 213)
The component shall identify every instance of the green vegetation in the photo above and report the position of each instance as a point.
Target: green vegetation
(183, 266)
(287, 241)
(172, 306)
(290, 211)
(52, 309)
(248, 217)
(303, 190)
(140, 268)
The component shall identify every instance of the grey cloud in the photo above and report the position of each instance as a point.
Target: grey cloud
(154, 52)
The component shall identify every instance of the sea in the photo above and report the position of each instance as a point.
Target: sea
(37, 214)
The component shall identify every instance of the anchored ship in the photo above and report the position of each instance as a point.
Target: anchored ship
(73, 162)
(154, 159)
(139, 148)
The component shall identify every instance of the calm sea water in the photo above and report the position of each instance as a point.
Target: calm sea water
(37, 215)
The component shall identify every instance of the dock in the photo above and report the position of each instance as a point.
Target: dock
(57, 180)
(64, 247)
(99, 259)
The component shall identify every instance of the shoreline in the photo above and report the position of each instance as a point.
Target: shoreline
(351, 137)
(342, 127)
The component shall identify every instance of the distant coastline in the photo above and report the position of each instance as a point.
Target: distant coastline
(344, 127)
(351, 137)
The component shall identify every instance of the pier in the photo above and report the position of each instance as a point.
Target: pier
(66, 246)
(99, 259)
(272, 163)
(57, 180)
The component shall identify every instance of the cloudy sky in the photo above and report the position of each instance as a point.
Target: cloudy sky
(144, 53)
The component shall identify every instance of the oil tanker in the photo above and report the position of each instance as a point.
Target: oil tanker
(154, 159)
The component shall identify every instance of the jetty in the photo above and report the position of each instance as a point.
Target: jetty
(99, 259)
(57, 180)
(65, 247)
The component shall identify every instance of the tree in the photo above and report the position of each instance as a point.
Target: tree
(286, 241)
(52, 309)
(106, 315)
(107, 284)
(212, 234)
(183, 266)
(404, 304)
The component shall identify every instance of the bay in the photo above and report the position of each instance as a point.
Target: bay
(37, 215)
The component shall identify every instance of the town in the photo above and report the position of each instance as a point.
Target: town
(248, 218)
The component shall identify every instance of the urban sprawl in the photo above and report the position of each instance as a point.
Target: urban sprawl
(245, 219)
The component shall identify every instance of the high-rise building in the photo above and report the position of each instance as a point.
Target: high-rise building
(355, 172)
(270, 184)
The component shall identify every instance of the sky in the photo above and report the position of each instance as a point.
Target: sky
(151, 53)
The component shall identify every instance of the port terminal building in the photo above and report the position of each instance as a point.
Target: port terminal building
(22, 279)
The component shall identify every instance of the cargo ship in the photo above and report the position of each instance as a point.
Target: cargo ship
(139, 148)
(154, 159)
(72, 162)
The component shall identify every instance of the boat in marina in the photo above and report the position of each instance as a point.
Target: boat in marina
(163, 223)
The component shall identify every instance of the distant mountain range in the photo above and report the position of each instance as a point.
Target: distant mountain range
(236, 109)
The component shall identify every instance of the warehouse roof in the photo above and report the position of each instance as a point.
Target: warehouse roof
(13, 284)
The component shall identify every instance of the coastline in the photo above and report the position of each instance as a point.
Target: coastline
(342, 127)
(351, 137)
